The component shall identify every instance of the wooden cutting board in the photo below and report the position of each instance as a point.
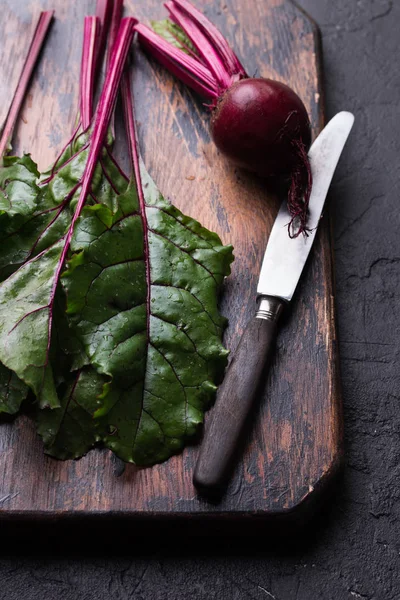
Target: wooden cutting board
(295, 445)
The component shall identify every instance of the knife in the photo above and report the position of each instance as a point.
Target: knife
(281, 270)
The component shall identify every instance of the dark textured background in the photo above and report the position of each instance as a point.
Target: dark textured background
(353, 551)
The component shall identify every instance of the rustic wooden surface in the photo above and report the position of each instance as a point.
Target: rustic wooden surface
(296, 441)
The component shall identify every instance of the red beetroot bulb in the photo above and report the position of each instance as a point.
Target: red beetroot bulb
(259, 124)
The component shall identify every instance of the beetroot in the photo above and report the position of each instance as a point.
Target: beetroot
(257, 123)
(260, 124)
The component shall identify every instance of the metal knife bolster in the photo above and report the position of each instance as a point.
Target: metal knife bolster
(269, 308)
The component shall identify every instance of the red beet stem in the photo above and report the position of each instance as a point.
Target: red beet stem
(188, 69)
(202, 44)
(103, 116)
(213, 69)
(104, 11)
(31, 60)
(116, 17)
(127, 100)
(299, 193)
(89, 68)
(94, 42)
(91, 36)
(114, 27)
(229, 59)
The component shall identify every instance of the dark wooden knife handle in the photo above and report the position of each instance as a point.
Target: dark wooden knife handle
(235, 400)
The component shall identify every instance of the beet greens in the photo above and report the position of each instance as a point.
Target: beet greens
(108, 294)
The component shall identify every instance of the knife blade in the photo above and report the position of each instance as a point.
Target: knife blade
(283, 264)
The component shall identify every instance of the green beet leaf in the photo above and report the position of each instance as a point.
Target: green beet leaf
(142, 294)
(18, 187)
(19, 195)
(12, 391)
(33, 218)
(26, 305)
(32, 253)
(70, 431)
(25, 236)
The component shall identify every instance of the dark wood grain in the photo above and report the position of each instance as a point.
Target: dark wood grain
(295, 444)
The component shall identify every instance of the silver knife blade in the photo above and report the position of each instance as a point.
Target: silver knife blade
(284, 257)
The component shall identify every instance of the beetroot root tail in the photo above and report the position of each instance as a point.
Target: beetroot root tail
(299, 193)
